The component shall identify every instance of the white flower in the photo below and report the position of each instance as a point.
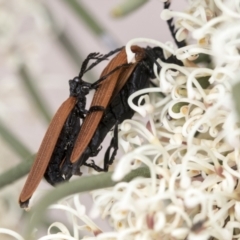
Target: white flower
(188, 139)
(194, 159)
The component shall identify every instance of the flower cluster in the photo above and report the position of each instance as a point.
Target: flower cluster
(188, 137)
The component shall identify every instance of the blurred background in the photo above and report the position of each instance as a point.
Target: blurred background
(42, 45)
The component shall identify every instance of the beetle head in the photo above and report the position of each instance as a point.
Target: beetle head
(158, 53)
(73, 83)
(79, 88)
(152, 54)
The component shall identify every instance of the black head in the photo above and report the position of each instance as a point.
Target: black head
(158, 53)
(79, 88)
(73, 84)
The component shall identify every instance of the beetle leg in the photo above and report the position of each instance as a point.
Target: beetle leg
(77, 172)
(95, 153)
(63, 148)
(108, 160)
(66, 171)
(92, 109)
(96, 109)
(76, 166)
(94, 166)
(72, 132)
(81, 107)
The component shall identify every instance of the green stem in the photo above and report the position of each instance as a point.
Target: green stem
(92, 23)
(127, 7)
(84, 184)
(83, 14)
(236, 97)
(20, 149)
(16, 172)
(70, 48)
(38, 101)
(73, 53)
(68, 45)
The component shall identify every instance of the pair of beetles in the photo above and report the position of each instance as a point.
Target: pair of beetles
(75, 134)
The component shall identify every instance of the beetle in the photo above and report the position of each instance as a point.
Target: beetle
(67, 145)
(54, 158)
(92, 132)
(62, 131)
(71, 127)
(96, 125)
(108, 88)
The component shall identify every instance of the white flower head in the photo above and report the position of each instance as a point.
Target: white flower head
(187, 136)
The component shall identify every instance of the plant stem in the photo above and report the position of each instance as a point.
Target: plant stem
(127, 7)
(34, 94)
(16, 172)
(236, 97)
(84, 184)
(92, 23)
(68, 45)
(14, 142)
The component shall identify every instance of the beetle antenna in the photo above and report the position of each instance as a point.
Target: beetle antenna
(86, 61)
(103, 57)
(96, 84)
(98, 57)
(172, 28)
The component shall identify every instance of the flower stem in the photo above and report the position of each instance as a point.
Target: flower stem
(92, 23)
(236, 97)
(84, 184)
(37, 99)
(14, 142)
(127, 7)
(16, 172)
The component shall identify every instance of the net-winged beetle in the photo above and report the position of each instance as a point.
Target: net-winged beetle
(59, 139)
(75, 134)
(96, 125)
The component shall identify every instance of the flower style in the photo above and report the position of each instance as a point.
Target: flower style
(189, 139)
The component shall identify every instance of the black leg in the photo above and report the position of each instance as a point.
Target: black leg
(108, 160)
(95, 153)
(94, 166)
(72, 130)
(83, 112)
(96, 109)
